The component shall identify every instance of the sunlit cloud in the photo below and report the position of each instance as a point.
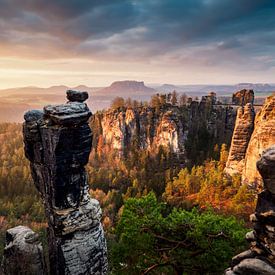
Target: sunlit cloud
(97, 42)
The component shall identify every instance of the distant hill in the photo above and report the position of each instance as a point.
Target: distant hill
(16, 101)
(221, 90)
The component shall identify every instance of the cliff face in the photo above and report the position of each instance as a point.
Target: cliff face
(251, 137)
(263, 137)
(58, 141)
(241, 136)
(172, 127)
(121, 129)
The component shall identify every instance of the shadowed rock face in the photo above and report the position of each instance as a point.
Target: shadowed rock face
(23, 252)
(58, 141)
(241, 136)
(260, 258)
(263, 137)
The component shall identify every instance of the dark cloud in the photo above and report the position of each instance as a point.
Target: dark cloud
(139, 28)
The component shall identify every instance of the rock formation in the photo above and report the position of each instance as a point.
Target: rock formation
(242, 133)
(243, 97)
(171, 127)
(58, 141)
(23, 252)
(260, 258)
(251, 137)
(120, 129)
(263, 137)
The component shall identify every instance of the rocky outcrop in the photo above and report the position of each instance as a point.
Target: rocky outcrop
(260, 258)
(121, 129)
(242, 133)
(243, 97)
(263, 137)
(23, 253)
(58, 141)
(170, 127)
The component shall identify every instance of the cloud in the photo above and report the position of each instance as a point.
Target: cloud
(140, 30)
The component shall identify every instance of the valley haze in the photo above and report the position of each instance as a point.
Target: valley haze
(16, 101)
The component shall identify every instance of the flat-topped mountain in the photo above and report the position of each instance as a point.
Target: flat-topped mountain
(127, 87)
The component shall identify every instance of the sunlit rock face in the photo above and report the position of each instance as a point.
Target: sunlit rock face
(58, 142)
(121, 129)
(242, 133)
(243, 97)
(23, 253)
(263, 137)
(170, 133)
(252, 135)
(170, 127)
(260, 258)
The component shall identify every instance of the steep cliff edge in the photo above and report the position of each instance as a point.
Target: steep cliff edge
(242, 133)
(263, 137)
(186, 131)
(58, 141)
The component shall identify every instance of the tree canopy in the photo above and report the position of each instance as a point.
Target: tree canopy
(153, 238)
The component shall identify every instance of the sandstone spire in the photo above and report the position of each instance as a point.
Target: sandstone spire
(242, 133)
(58, 141)
(263, 137)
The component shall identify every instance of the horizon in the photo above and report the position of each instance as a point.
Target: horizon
(94, 43)
(146, 84)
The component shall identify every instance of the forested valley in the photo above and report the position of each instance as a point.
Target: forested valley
(158, 216)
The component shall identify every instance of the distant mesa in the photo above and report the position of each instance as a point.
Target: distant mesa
(127, 87)
(167, 88)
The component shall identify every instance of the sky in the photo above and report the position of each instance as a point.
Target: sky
(96, 42)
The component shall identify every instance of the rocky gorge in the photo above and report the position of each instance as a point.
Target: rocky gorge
(58, 141)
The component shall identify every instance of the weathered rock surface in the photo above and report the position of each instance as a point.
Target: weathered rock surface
(243, 97)
(23, 253)
(170, 127)
(58, 146)
(263, 137)
(260, 259)
(242, 133)
(77, 96)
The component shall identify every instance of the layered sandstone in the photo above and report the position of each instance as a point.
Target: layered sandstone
(242, 133)
(171, 127)
(263, 137)
(260, 258)
(121, 128)
(58, 141)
